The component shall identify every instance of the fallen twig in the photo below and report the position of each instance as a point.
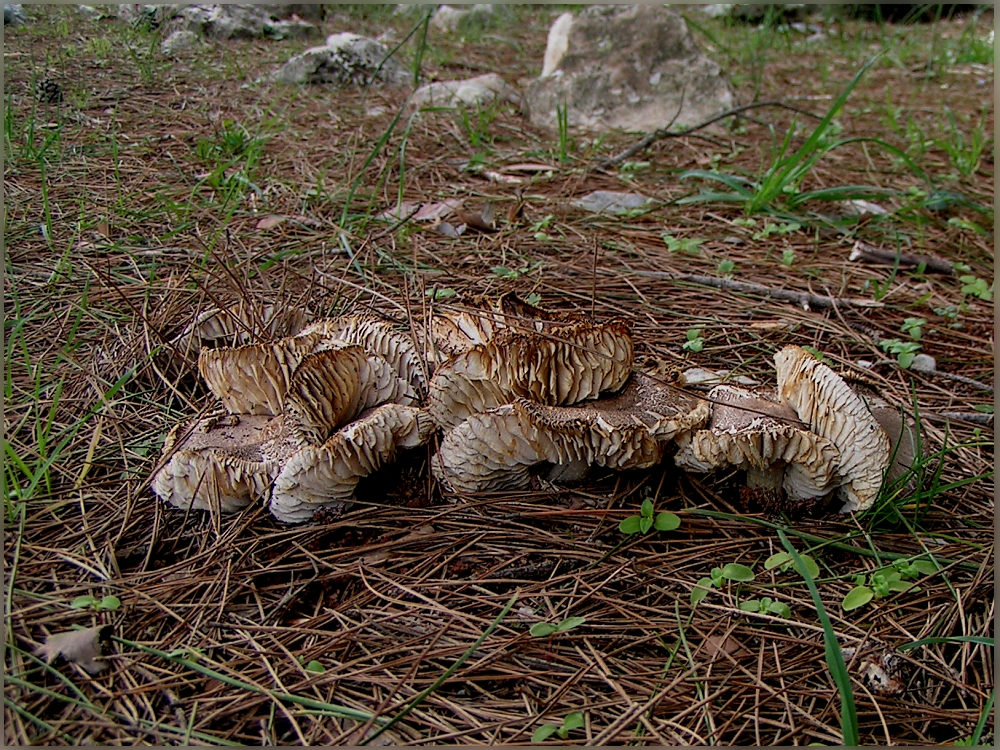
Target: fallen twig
(805, 299)
(882, 256)
(665, 132)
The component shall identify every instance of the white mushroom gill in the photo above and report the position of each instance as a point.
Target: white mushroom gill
(832, 410)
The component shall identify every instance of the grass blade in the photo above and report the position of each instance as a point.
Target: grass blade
(834, 657)
(981, 639)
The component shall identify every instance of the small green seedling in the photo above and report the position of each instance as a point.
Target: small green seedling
(439, 294)
(533, 299)
(914, 327)
(976, 287)
(894, 579)
(508, 273)
(731, 572)
(780, 229)
(787, 256)
(645, 521)
(694, 342)
(766, 606)
(726, 267)
(101, 605)
(315, 667)
(571, 722)
(783, 561)
(542, 629)
(688, 245)
(905, 351)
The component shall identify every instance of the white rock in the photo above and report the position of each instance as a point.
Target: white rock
(624, 67)
(471, 92)
(179, 41)
(609, 201)
(345, 59)
(923, 363)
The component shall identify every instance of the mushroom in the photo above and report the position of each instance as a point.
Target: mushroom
(333, 386)
(828, 406)
(567, 365)
(239, 323)
(901, 430)
(496, 449)
(324, 476)
(750, 432)
(254, 379)
(222, 462)
(454, 333)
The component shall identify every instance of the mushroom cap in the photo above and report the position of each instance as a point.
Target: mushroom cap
(566, 365)
(254, 379)
(454, 333)
(222, 462)
(831, 409)
(238, 324)
(333, 386)
(376, 337)
(324, 476)
(900, 428)
(496, 449)
(760, 436)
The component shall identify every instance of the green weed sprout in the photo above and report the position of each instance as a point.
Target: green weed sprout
(731, 572)
(905, 351)
(101, 605)
(572, 721)
(543, 629)
(694, 342)
(881, 583)
(644, 521)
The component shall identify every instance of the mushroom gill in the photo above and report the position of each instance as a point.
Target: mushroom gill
(496, 449)
(760, 436)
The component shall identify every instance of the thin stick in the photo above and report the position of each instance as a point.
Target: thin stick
(804, 299)
(872, 254)
(665, 132)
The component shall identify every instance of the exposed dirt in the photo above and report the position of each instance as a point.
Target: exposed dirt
(134, 205)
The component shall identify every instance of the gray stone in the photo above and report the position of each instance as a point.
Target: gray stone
(625, 66)
(450, 20)
(181, 40)
(345, 59)
(923, 363)
(240, 22)
(472, 92)
(611, 202)
(14, 15)
(90, 13)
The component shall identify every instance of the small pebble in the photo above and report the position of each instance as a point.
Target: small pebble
(923, 363)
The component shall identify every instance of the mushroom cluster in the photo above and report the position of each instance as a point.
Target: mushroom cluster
(302, 420)
(514, 389)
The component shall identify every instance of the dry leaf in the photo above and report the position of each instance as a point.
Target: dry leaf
(483, 220)
(420, 211)
(506, 179)
(80, 646)
(270, 222)
(716, 645)
(448, 230)
(379, 555)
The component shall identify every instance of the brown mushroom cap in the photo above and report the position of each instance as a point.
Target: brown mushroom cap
(750, 432)
(833, 410)
(324, 476)
(496, 449)
(567, 365)
(254, 379)
(333, 386)
(222, 462)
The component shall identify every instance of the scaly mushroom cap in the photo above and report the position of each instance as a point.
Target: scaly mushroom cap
(239, 324)
(824, 402)
(567, 365)
(454, 333)
(496, 449)
(376, 337)
(760, 436)
(254, 379)
(222, 462)
(333, 386)
(324, 476)
(900, 429)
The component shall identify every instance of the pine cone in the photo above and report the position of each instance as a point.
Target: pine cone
(48, 91)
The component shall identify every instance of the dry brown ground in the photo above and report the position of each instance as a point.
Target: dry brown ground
(389, 596)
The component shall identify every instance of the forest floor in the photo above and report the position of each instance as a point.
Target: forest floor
(160, 189)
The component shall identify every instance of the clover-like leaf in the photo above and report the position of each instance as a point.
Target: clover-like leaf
(543, 733)
(110, 602)
(859, 596)
(737, 572)
(315, 667)
(82, 602)
(750, 605)
(645, 524)
(569, 623)
(542, 629)
(780, 609)
(647, 508)
(630, 525)
(573, 721)
(667, 521)
(700, 591)
(925, 567)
